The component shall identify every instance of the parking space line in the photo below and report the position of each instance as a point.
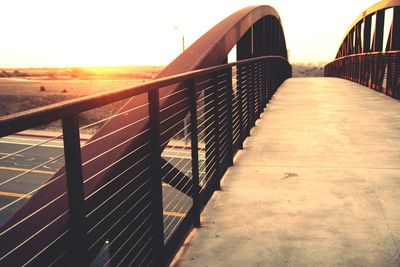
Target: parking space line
(17, 195)
(25, 170)
(176, 214)
(10, 194)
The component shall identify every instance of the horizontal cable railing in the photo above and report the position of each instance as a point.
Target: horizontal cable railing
(150, 197)
(379, 71)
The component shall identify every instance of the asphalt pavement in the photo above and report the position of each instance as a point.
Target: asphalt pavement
(23, 170)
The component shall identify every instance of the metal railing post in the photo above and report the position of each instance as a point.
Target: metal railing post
(260, 85)
(252, 97)
(396, 78)
(75, 188)
(215, 127)
(264, 85)
(268, 81)
(248, 109)
(239, 74)
(229, 96)
(156, 183)
(195, 154)
(273, 77)
(256, 92)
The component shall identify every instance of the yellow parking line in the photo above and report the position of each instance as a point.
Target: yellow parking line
(176, 214)
(10, 194)
(24, 170)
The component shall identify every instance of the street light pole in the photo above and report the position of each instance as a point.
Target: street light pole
(183, 37)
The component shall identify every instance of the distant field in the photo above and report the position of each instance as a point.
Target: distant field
(307, 70)
(73, 88)
(94, 73)
(24, 93)
(18, 96)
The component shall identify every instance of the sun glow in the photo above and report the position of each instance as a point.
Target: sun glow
(124, 32)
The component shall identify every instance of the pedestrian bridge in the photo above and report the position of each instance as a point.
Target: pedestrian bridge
(309, 167)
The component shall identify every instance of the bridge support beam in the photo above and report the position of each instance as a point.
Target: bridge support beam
(395, 30)
(367, 34)
(269, 47)
(378, 34)
(244, 46)
(259, 38)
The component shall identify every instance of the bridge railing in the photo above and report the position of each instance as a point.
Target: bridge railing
(141, 214)
(379, 71)
(364, 57)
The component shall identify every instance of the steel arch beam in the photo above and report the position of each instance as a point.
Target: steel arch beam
(365, 15)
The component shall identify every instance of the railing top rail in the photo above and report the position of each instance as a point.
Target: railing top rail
(364, 54)
(20, 121)
(372, 9)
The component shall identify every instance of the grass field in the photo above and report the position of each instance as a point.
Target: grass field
(23, 89)
(39, 89)
(308, 70)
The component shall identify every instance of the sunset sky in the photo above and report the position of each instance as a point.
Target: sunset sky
(58, 33)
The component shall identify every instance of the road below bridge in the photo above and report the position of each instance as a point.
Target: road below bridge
(317, 184)
(23, 173)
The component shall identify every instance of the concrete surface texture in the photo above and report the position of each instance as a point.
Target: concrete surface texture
(317, 184)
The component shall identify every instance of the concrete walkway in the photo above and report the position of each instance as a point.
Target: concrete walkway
(317, 184)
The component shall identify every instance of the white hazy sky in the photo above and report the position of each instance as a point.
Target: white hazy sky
(57, 33)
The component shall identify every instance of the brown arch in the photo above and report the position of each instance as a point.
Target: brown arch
(213, 47)
(385, 4)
